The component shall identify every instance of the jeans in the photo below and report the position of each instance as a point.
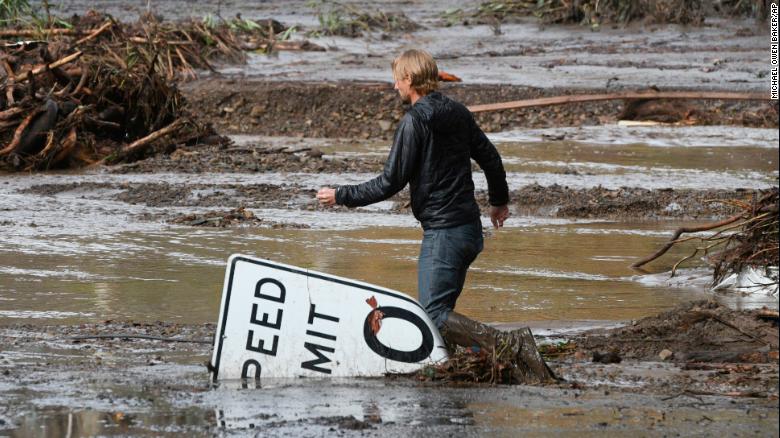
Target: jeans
(445, 256)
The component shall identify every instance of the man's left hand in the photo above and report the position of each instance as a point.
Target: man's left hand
(498, 214)
(326, 196)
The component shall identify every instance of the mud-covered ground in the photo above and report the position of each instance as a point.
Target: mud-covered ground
(553, 201)
(360, 110)
(700, 369)
(119, 370)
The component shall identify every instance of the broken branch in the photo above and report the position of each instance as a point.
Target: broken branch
(680, 231)
(47, 67)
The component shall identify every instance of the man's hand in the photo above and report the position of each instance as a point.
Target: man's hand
(326, 196)
(498, 214)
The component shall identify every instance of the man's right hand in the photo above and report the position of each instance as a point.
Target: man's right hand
(326, 196)
(498, 214)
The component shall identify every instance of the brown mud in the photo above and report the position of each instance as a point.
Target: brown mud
(302, 109)
(695, 332)
(551, 201)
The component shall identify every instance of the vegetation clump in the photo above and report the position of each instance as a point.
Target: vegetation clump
(338, 19)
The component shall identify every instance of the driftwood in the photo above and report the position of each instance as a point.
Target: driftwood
(95, 34)
(745, 240)
(129, 336)
(681, 231)
(560, 100)
(142, 143)
(6, 33)
(44, 68)
(73, 103)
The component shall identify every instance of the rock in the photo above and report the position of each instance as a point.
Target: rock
(665, 354)
(385, 125)
(608, 357)
(257, 111)
(314, 153)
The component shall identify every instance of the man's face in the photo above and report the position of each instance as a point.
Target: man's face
(404, 87)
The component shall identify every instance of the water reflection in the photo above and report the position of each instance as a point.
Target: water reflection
(64, 422)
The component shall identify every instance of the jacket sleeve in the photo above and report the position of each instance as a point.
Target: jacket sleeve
(486, 155)
(399, 167)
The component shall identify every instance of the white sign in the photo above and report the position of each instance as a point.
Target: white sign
(282, 321)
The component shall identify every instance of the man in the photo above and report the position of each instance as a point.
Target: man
(432, 151)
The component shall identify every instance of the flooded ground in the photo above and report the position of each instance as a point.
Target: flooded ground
(78, 241)
(724, 54)
(95, 252)
(79, 250)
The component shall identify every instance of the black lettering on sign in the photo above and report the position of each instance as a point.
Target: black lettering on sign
(321, 335)
(315, 348)
(321, 358)
(422, 352)
(245, 369)
(259, 287)
(264, 322)
(245, 373)
(261, 344)
(277, 324)
(313, 314)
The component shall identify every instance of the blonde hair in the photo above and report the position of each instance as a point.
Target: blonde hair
(419, 67)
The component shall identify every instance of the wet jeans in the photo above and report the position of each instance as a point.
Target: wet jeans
(445, 256)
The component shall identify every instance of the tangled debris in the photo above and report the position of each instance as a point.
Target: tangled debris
(755, 244)
(222, 219)
(748, 239)
(597, 12)
(70, 103)
(218, 219)
(100, 91)
(345, 20)
(469, 366)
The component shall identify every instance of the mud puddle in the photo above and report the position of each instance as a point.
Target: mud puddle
(58, 381)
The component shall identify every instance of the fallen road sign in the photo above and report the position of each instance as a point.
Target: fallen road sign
(278, 320)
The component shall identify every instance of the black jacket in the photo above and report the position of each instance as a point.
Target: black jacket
(432, 151)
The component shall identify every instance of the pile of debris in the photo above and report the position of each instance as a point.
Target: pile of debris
(745, 242)
(100, 91)
(237, 217)
(71, 102)
(339, 19)
(218, 219)
(597, 12)
(696, 332)
(469, 366)
(755, 244)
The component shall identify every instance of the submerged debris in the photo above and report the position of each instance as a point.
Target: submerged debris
(218, 219)
(223, 219)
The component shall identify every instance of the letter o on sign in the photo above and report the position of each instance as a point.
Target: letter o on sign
(422, 352)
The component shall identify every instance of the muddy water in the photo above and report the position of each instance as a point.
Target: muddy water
(79, 255)
(526, 273)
